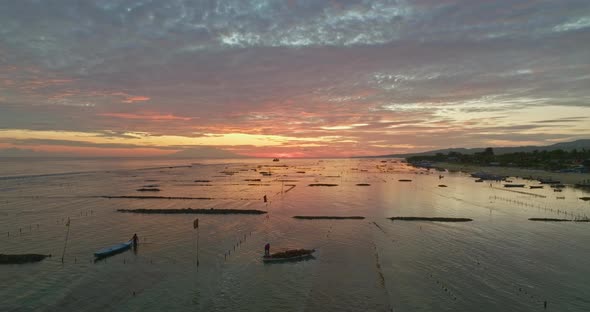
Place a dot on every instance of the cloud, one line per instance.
(294, 77)
(146, 116)
(134, 99)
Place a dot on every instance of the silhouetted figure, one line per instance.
(267, 249)
(265, 199)
(135, 240)
(545, 304)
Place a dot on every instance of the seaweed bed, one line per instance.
(155, 197)
(363, 184)
(558, 220)
(437, 219)
(328, 217)
(322, 184)
(22, 258)
(148, 190)
(193, 211)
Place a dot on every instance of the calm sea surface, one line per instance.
(499, 262)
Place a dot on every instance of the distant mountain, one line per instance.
(567, 146)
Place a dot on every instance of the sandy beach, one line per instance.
(566, 178)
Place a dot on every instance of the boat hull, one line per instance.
(270, 259)
(113, 250)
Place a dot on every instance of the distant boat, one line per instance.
(513, 185)
(549, 181)
(276, 159)
(289, 255)
(536, 186)
(113, 250)
(487, 176)
(405, 180)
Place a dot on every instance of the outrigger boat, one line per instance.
(113, 250)
(289, 255)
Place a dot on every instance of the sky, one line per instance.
(290, 78)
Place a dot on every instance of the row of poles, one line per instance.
(545, 208)
(447, 289)
(37, 226)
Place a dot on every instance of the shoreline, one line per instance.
(564, 177)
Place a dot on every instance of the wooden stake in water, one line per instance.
(196, 227)
(66, 242)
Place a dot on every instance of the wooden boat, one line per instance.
(113, 250)
(289, 255)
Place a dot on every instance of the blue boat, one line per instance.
(113, 250)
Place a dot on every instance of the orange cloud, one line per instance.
(133, 99)
(146, 116)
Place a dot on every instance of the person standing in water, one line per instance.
(135, 240)
(267, 250)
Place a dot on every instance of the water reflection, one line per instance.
(499, 259)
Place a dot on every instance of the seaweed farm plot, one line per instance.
(435, 219)
(21, 258)
(329, 217)
(193, 211)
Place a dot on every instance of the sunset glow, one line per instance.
(334, 79)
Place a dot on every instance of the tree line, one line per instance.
(575, 160)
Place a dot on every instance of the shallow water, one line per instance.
(499, 262)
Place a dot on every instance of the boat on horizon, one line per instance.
(513, 185)
(488, 176)
(549, 181)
